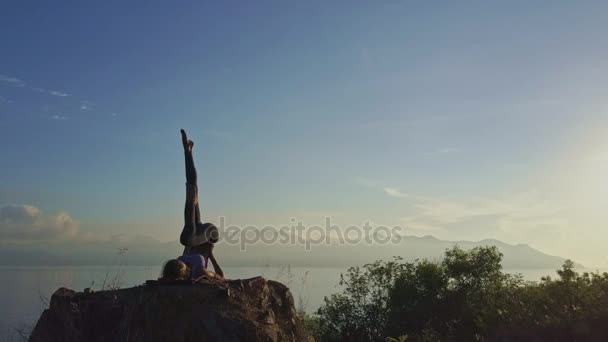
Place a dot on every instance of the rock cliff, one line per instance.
(236, 310)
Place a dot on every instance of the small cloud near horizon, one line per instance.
(518, 217)
(28, 223)
(395, 193)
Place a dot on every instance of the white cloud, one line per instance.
(16, 82)
(395, 193)
(519, 207)
(521, 217)
(51, 92)
(58, 93)
(27, 223)
(5, 100)
(13, 81)
(59, 117)
(85, 105)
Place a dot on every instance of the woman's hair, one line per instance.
(175, 269)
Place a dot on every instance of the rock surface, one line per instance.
(236, 310)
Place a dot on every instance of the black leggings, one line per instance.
(191, 234)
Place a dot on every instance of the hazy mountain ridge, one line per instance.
(147, 251)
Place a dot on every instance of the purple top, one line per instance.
(196, 263)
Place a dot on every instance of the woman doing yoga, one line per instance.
(198, 238)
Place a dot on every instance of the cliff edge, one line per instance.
(236, 310)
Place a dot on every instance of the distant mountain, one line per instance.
(148, 251)
(410, 248)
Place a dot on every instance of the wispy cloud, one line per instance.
(16, 82)
(395, 193)
(446, 150)
(442, 151)
(521, 216)
(58, 93)
(82, 105)
(12, 81)
(50, 92)
(85, 105)
(514, 216)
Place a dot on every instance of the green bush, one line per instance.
(464, 297)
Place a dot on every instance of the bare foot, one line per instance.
(188, 144)
(184, 137)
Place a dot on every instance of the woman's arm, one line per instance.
(208, 275)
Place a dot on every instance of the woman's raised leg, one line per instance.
(191, 212)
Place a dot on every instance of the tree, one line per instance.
(359, 313)
(464, 297)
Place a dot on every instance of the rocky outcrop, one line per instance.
(236, 310)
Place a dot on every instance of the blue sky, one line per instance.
(461, 120)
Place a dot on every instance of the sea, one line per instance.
(26, 291)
